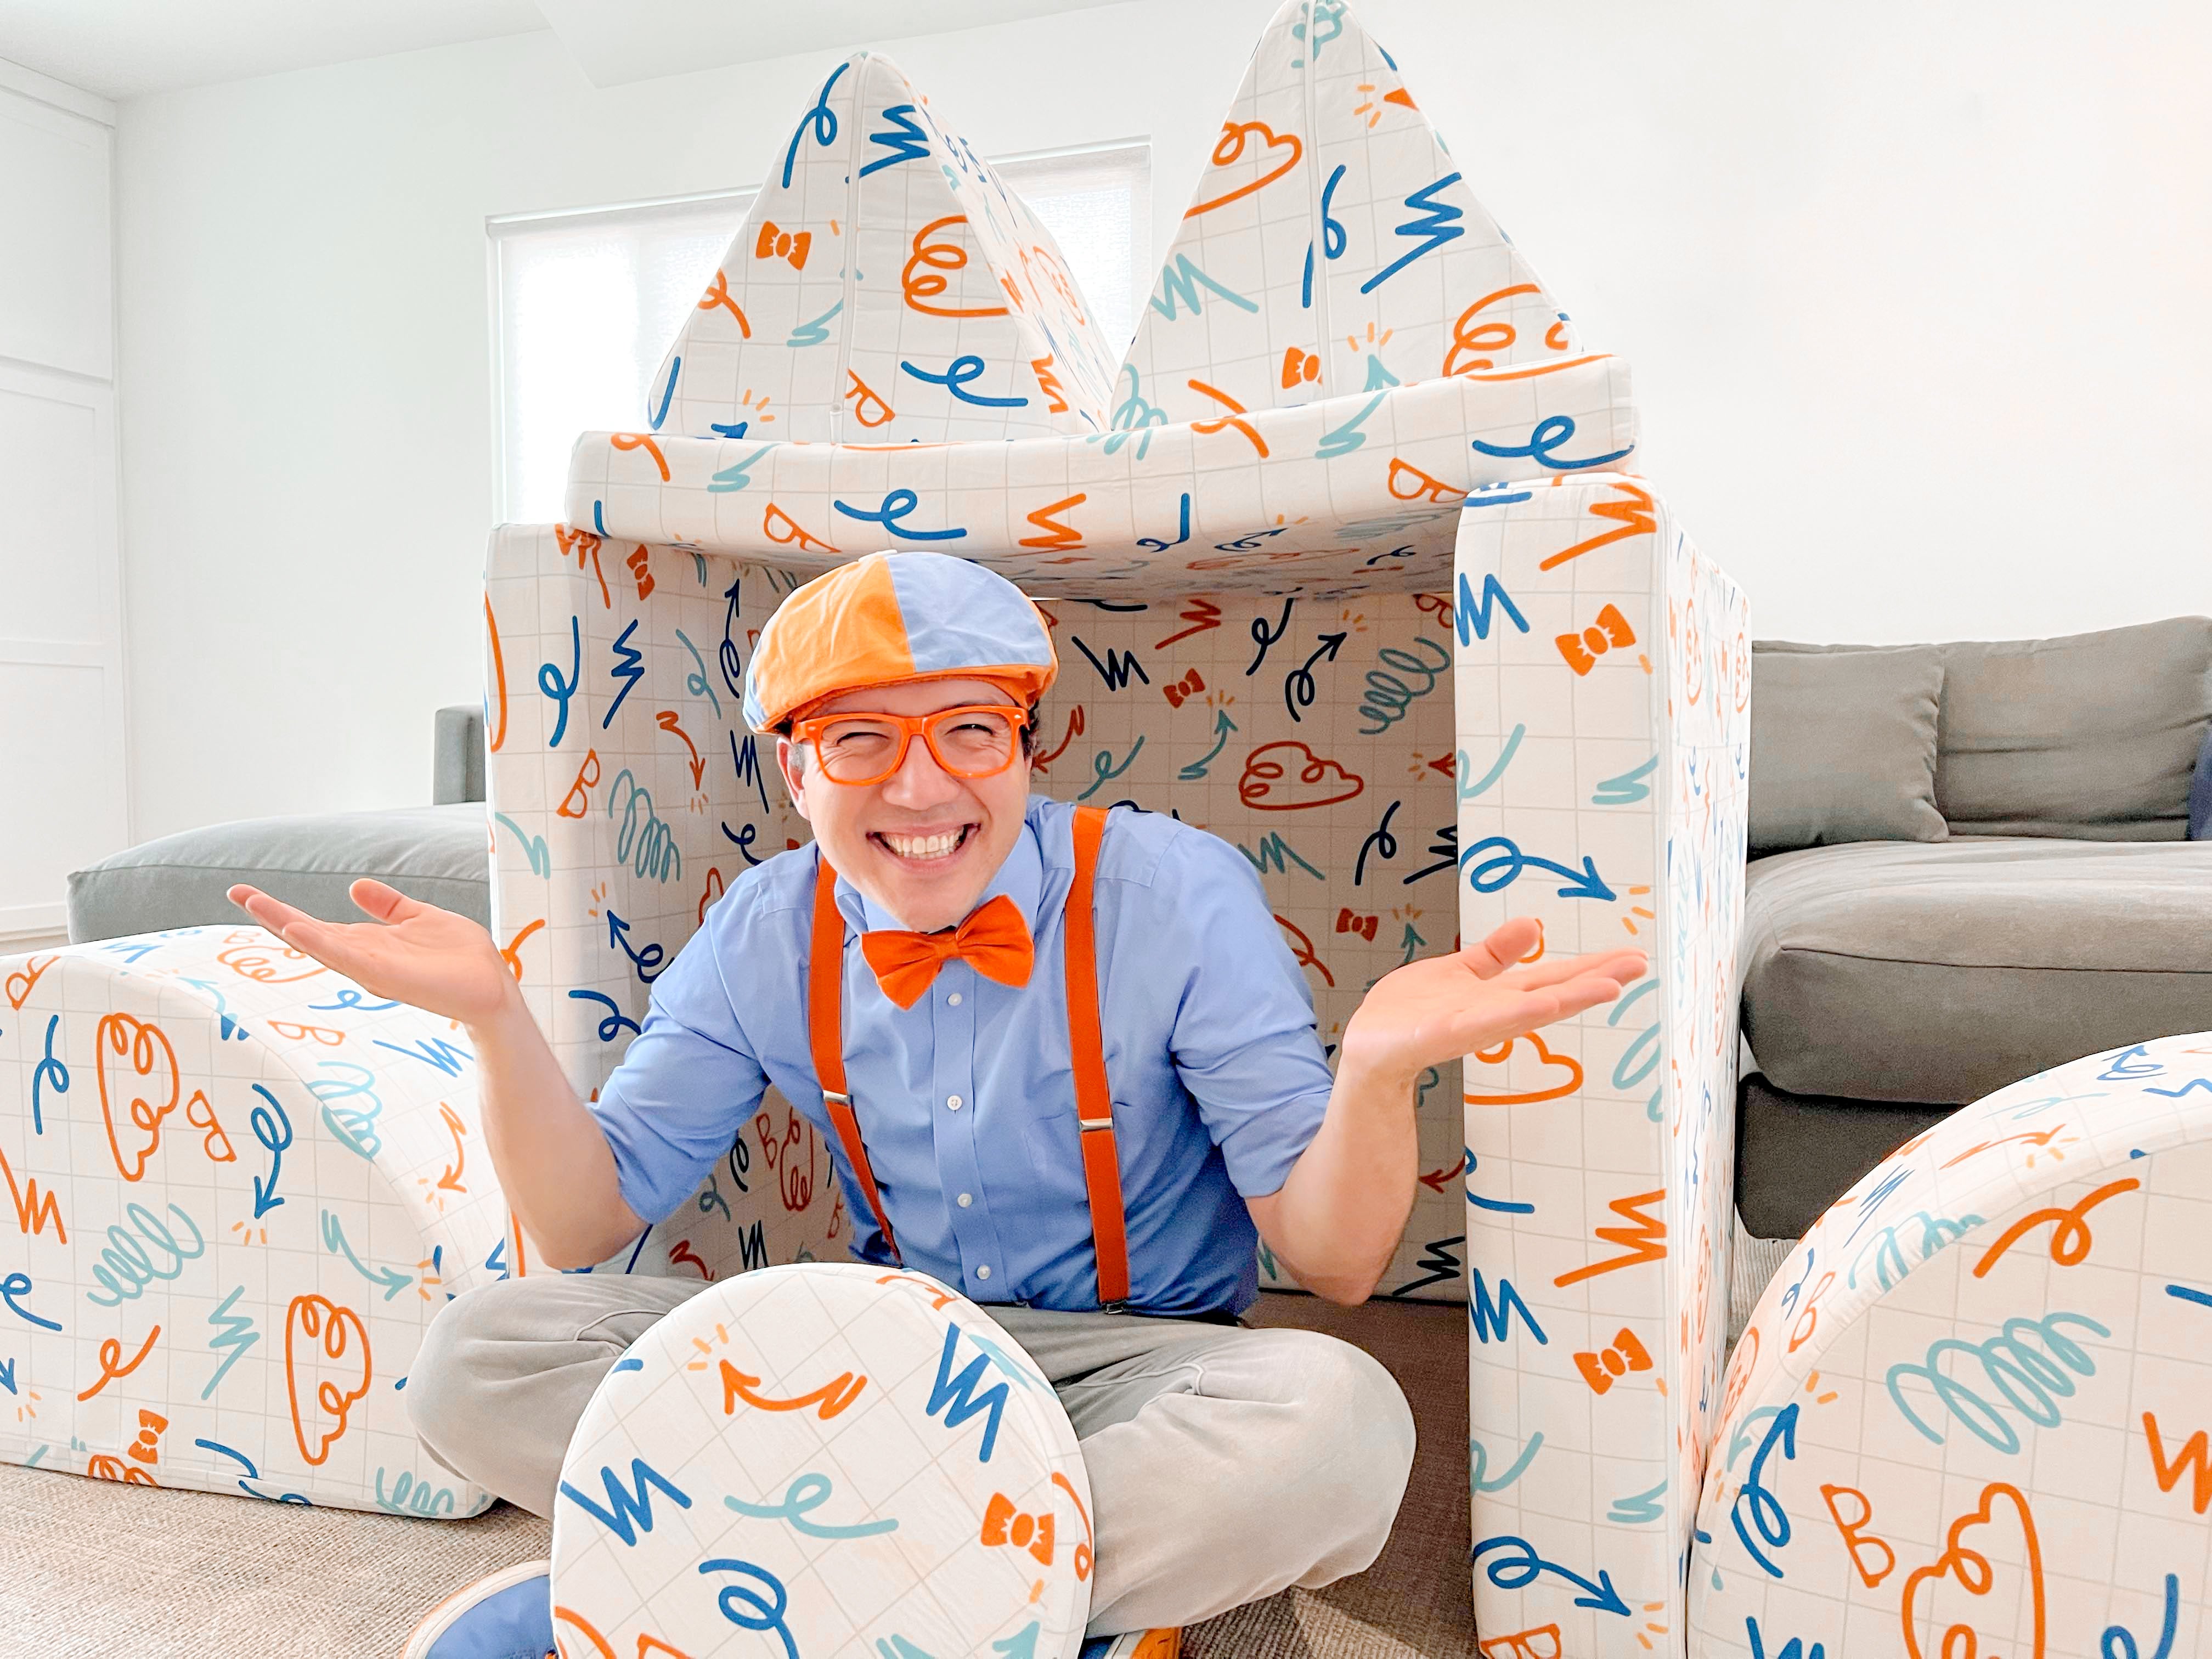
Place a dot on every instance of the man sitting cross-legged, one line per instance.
(903, 981)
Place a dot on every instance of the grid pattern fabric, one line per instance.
(1969, 1415)
(1603, 673)
(243, 1186)
(835, 1459)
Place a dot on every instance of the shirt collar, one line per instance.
(1020, 878)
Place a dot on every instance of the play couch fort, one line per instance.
(1341, 564)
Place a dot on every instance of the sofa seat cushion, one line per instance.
(1937, 972)
(436, 853)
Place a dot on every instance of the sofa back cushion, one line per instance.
(2090, 736)
(1843, 747)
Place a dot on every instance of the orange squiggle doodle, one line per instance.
(1234, 418)
(450, 1177)
(642, 440)
(1084, 1552)
(2040, 1139)
(2070, 1240)
(1058, 536)
(1644, 1239)
(710, 893)
(937, 1297)
(1048, 384)
(1809, 1321)
(148, 1049)
(1302, 950)
(584, 544)
(34, 1208)
(791, 1158)
(684, 1252)
(337, 1331)
(509, 952)
(2194, 1459)
(667, 720)
(1530, 373)
(258, 962)
(936, 259)
(1044, 760)
(1201, 614)
(1635, 517)
(1855, 1536)
(105, 1466)
(1499, 1054)
(1493, 335)
(1230, 147)
(830, 1401)
(717, 296)
(20, 982)
(570, 1616)
(111, 1361)
(499, 673)
(1974, 1574)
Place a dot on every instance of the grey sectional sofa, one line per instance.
(437, 853)
(1969, 862)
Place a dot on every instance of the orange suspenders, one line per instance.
(1094, 1103)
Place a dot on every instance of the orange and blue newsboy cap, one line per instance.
(891, 617)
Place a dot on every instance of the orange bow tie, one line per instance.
(994, 940)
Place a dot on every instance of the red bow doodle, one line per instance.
(1189, 686)
(1349, 923)
(789, 246)
(1610, 632)
(1005, 1524)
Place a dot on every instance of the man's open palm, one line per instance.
(410, 952)
(1435, 1011)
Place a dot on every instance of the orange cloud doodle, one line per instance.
(1267, 785)
(313, 1323)
(1973, 1573)
(1229, 149)
(151, 1058)
(1499, 1054)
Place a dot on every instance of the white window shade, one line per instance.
(585, 303)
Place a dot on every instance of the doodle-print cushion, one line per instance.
(1843, 747)
(819, 1459)
(439, 854)
(1936, 973)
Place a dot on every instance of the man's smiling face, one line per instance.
(922, 844)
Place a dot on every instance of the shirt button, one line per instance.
(954, 999)
(952, 1103)
(966, 1199)
(983, 1272)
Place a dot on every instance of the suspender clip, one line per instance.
(838, 1096)
(1088, 1124)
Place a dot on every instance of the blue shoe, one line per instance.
(1136, 1644)
(507, 1615)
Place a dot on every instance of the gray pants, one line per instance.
(1225, 1463)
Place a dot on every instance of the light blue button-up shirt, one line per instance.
(967, 1101)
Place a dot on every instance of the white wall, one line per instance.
(1916, 295)
(63, 764)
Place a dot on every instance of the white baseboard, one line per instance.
(32, 927)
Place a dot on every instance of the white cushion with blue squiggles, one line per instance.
(823, 1459)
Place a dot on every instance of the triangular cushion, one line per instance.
(1332, 247)
(886, 288)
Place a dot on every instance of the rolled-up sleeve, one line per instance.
(689, 1080)
(1244, 1041)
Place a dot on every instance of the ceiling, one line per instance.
(120, 48)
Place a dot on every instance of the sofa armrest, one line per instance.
(457, 771)
(1604, 680)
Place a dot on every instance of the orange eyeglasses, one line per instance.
(976, 740)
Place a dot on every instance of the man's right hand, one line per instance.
(409, 951)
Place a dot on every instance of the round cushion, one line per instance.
(827, 1458)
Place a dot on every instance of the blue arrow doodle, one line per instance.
(276, 1135)
(1223, 726)
(391, 1279)
(1485, 877)
(1519, 1572)
(648, 962)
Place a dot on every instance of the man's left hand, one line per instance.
(1432, 1012)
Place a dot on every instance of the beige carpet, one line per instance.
(93, 1570)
